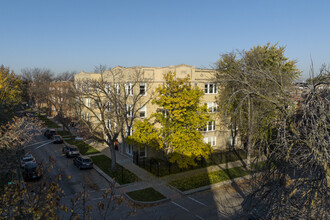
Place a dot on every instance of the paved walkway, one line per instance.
(149, 180)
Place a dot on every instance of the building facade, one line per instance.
(216, 133)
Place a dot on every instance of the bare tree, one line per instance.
(101, 68)
(38, 85)
(294, 179)
(109, 104)
(65, 76)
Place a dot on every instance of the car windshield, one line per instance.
(58, 138)
(86, 160)
(52, 132)
(73, 149)
(27, 159)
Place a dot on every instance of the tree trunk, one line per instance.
(250, 132)
(113, 155)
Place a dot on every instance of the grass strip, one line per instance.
(205, 179)
(48, 123)
(65, 133)
(104, 163)
(146, 195)
(84, 149)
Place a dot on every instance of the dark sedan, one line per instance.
(49, 133)
(58, 139)
(83, 162)
(32, 171)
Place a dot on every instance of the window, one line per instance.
(210, 88)
(118, 110)
(143, 112)
(83, 115)
(129, 89)
(117, 88)
(87, 87)
(88, 118)
(107, 107)
(88, 102)
(164, 112)
(210, 126)
(212, 107)
(129, 111)
(129, 131)
(107, 88)
(143, 88)
(66, 90)
(108, 123)
(210, 140)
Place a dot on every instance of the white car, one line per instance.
(28, 158)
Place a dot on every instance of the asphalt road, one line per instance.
(223, 203)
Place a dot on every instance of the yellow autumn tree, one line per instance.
(181, 117)
(10, 90)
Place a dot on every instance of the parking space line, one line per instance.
(35, 143)
(187, 210)
(43, 145)
(197, 201)
(180, 206)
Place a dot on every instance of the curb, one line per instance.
(109, 179)
(146, 204)
(209, 187)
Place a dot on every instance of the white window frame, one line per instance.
(145, 89)
(88, 102)
(107, 88)
(210, 140)
(210, 126)
(117, 86)
(88, 117)
(211, 88)
(129, 111)
(212, 107)
(129, 89)
(108, 123)
(143, 110)
(107, 106)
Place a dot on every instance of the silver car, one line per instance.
(28, 158)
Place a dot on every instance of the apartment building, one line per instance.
(216, 133)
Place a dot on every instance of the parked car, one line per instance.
(28, 158)
(70, 151)
(32, 171)
(83, 162)
(57, 139)
(49, 133)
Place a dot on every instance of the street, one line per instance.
(222, 203)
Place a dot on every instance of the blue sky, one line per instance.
(76, 35)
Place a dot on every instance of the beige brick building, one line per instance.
(215, 132)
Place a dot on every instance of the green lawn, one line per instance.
(104, 163)
(205, 179)
(146, 195)
(65, 133)
(84, 149)
(48, 123)
(218, 157)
